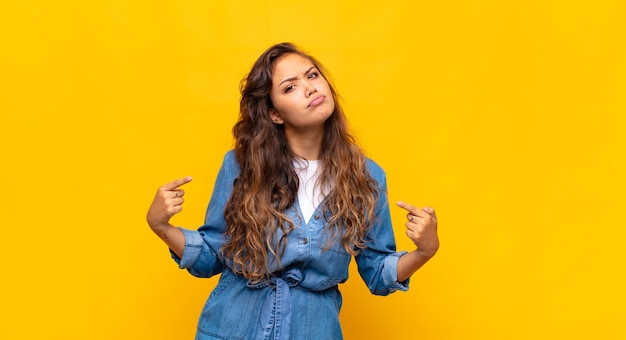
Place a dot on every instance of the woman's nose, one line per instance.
(310, 89)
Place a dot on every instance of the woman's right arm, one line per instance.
(166, 203)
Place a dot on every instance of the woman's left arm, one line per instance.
(421, 228)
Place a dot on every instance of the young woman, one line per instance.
(292, 203)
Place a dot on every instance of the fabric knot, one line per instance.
(275, 317)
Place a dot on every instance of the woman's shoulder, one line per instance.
(376, 171)
(230, 157)
(230, 163)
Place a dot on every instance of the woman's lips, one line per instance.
(317, 101)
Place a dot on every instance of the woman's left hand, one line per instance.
(421, 228)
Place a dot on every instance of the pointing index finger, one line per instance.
(411, 209)
(176, 183)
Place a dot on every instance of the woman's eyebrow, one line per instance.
(296, 77)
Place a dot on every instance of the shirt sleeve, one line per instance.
(201, 252)
(378, 262)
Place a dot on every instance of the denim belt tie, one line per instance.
(276, 310)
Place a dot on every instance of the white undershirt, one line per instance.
(309, 195)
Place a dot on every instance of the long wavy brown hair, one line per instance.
(268, 183)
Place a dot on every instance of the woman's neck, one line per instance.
(305, 145)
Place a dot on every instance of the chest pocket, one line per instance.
(331, 259)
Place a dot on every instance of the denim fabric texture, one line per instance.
(302, 300)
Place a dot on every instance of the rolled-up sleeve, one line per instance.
(378, 263)
(193, 249)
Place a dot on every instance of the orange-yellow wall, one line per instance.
(507, 116)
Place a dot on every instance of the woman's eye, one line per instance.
(288, 88)
(313, 75)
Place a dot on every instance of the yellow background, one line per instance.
(507, 116)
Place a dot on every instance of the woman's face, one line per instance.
(301, 96)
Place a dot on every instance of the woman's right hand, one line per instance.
(166, 203)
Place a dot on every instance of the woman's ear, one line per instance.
(275, 117)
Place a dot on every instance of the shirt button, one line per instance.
(317, 217)
(305, 241)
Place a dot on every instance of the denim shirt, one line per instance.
(302, 300)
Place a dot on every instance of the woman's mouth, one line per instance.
(317, 101)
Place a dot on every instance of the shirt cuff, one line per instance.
(192, 250)
(390, 273)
